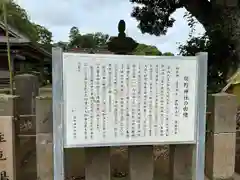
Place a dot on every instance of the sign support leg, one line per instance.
(58, 123)
(201, 116)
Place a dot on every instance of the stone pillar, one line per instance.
(74, 162)
(44, 145)
(221, 136)
(7, 105)
(97, 164)
(7, 137)
(182, 162)
(141, 162)
(27, 88)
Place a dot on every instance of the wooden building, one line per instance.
(24, 54)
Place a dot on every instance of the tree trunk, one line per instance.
(220, 21)
(231, 27)
(223, 27)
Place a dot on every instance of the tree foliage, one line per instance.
(168, 54)
(18, 18)
(44, 36)
(219, 59)
(99, 40)
(90, 40)
(143, 49)
(221, 40)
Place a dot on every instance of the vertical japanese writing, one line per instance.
(156, 100)
(86, 101)
(122, 100)
(150, 99)
(134, 99)
(2, 156)
(128, 101)
(104, 101)
(185, 96)
(127, 79)
(167, 100)
(97, 81)
(176, 103)
(2, 139)
(79, 67)
(109, 88)
(162, 95)
(115, 114)
(3, 175)
(145, 100)
(91, 101)
(139, 102)
(74, 124)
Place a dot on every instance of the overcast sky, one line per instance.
(101, 16)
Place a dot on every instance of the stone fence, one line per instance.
(26, 149)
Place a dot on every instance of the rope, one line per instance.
(8, 46)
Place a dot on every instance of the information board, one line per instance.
(112, 100)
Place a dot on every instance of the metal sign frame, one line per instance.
(58, 114)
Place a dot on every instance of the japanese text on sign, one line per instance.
(114, 100)
(3, 174)
(2, 140)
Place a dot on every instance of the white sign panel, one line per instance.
(128, 100)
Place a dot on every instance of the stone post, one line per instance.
(44, 145)
(27, 88)
(7, 137)
(182, 162)
(221, 136)
(141, 165)
(98, 163)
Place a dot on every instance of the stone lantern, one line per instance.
(121, 44)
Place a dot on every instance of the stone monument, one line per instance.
(121, 44)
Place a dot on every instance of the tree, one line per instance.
(74, 32)
(44, 37)
(74, 37)
(143, 49)
(63, 45)
(220, 22)
(217, 71)
(101, 39)
(168, 54)
(18, 18)
(89, 40)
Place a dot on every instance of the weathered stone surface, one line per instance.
(74, 162)
(97, 163)
(44, 156)
(7, 105)
(27, 88)
(44, 123)
(141, 162)
(182, 162)
(220, 155)
(223, 108)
